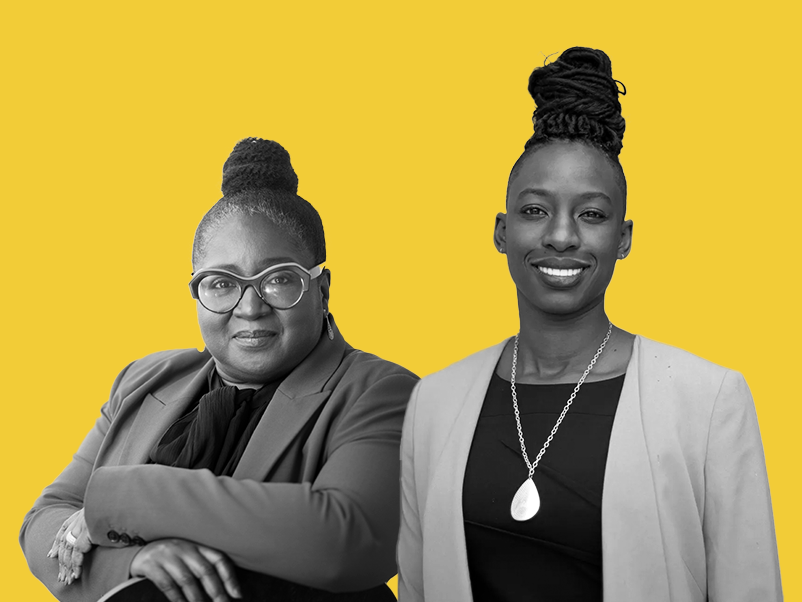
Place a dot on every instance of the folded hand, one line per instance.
(71, 543)
(183, 570)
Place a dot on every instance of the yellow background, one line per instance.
(402, 121)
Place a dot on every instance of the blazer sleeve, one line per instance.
(740, 544)
(337, 533)
(410, 539)
(104, 568)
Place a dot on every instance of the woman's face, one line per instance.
(254, 343)
(564, 228)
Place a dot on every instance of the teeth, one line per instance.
(560, 273)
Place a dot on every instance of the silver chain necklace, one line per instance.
(526, 501)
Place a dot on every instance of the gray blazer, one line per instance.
(314, 498)
(686, 511)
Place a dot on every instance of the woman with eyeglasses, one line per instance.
(576, 461)
(274, 450)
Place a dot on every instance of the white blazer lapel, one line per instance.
(445, 554)
(634, 561)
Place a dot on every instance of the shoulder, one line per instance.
(367, 394)
(659, 358)
(462, 375)
(662, 354)
(439, 397)
(162, 365)
(359, 363)
(668, 371)
(364, 375)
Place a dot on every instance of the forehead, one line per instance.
(565, 170)
(248, 244)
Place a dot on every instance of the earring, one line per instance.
(501, 250)
(328, 325)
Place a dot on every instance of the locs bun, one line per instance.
(258, 179)
(255, 163)
(577, 99)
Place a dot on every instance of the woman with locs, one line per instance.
(576, 461)
(274, 450)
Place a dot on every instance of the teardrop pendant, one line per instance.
(526, 501)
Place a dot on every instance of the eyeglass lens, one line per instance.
(280, 289)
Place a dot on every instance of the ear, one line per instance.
(625, 244)
(500, 233)
(324, 282)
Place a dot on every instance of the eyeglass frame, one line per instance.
(253, 281)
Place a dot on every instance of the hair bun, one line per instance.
(577, 99)
(255, 163)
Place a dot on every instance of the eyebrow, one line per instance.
(593, 194)
(535, 191)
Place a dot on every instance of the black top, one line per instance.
(557, 554)
(216, 429)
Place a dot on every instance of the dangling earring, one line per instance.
(328, 325)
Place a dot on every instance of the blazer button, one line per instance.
(125, 538)
(138, 541)
(113, 536)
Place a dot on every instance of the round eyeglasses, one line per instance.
(280, 286)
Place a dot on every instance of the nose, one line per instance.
(561, 234)
(251, 306)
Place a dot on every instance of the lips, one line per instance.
(253, 338)
(560, 272)
(560, 263)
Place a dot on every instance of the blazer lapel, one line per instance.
(295, 403)
(634, 564)
(445, 535)
(632, 542)
(158, 411)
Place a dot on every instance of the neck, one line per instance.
(232, 383)
(553, 347)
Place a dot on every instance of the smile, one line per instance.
(560, 273)
(257, 338)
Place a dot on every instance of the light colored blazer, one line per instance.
(314, 499)
(686, 512)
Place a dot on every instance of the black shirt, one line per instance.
(556, 555)
(216, 429)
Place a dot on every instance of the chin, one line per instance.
(251, 372)
(562, 304)
(564, 311)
